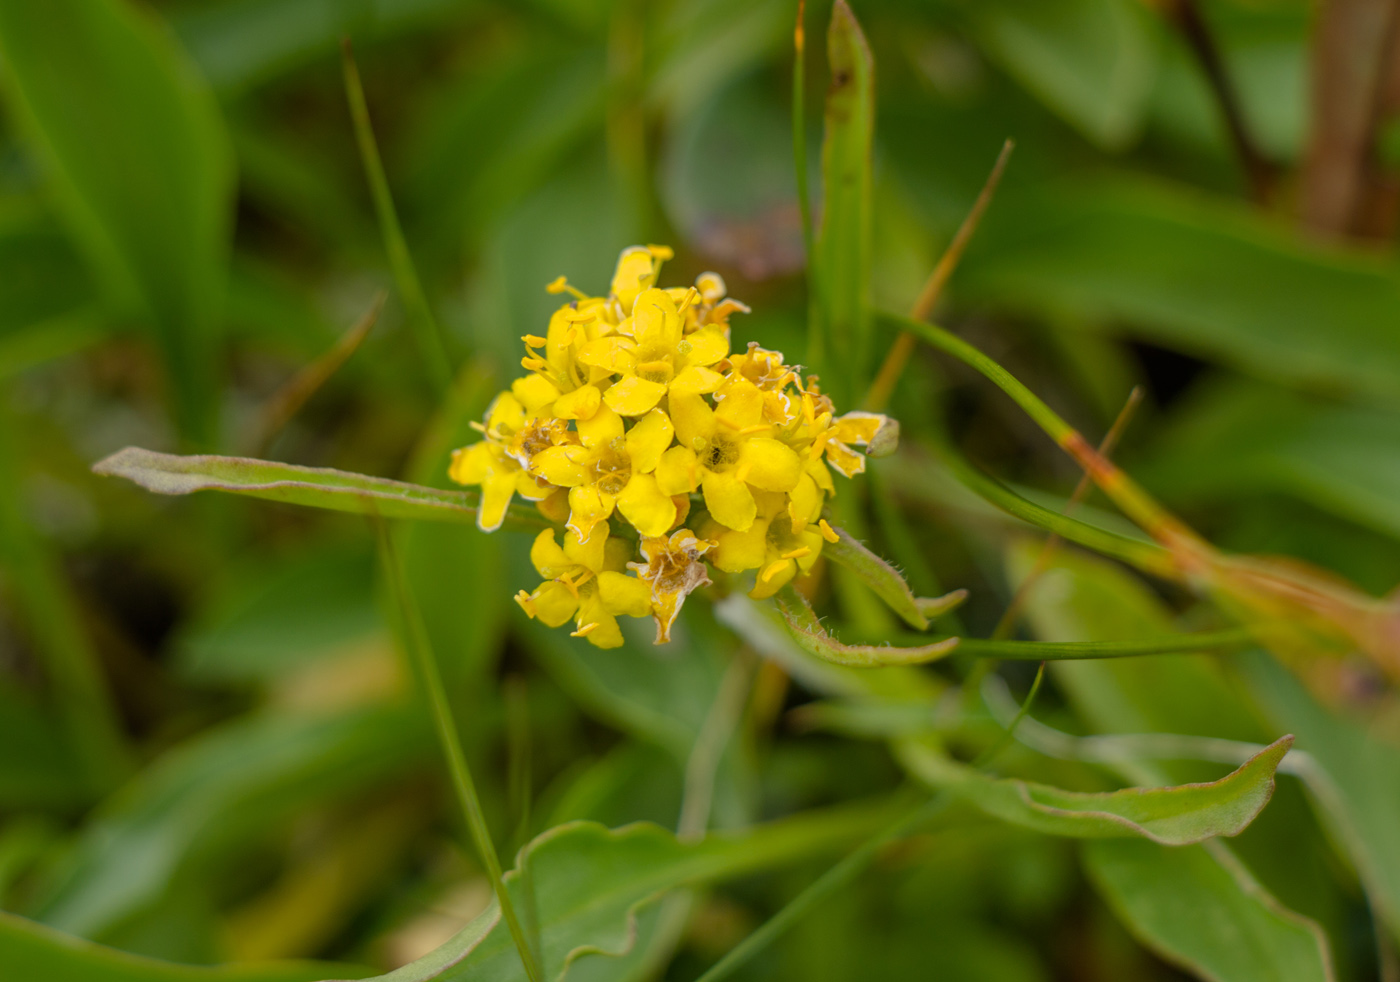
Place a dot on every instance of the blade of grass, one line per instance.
(1006, 624)
(427, 332)
(288, 400)
(839, 343)
(71, 665)
(518, 754)
(898, 356)
(1146, 556)
(799, 126)
(420, 650)
(1136, 503)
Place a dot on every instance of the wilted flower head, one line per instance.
(633, 413)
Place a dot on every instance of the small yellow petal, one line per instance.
(692, 417)
(828, 533)
(496, 492)
(588, 554)
(563, 467)
(706, 346)
(588, 507)
(633, 396)
(600, 429)
(612, 353)
(697, 379)
(735, 552)
(678, 471)
(535, 392)
(581, 403)
(554, 603)
(470, 465)
(769, 464)
(805, 502)
(623, 594)
(844, 459)
(549, 560)
(648, 440)
(729, 500)
(644, 505)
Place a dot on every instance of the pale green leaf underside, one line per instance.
(1171, 816)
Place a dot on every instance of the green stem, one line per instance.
(799, 127)
(420, 650)
(1146, 556)
(1011, 650)
(427, 333)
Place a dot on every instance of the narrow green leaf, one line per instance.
(840, 342)
(30, 951)
(314, 487)
(885, 580)
(134, 144)
(1197, 274)
(1172, 816)
(589, 883)
(1200, 909)
(808, 632)
(197, 805)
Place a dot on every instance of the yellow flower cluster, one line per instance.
(634, 403)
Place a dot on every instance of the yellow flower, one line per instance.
(834, 436)
(726, 451)
(637, 270)
(490, 463)
(656, 357)
(775, 544)
(612, 468)
(672, 571)
(585, 582)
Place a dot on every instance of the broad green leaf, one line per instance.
(240, 43)
(813, 638)
(885, 580)
(840, 270)
(30, 952)
(1199, 909)
(133, 142)
(1195, 274)
(274, 618)
(1172, 816)
(1364, 772)
(315, 487)
(1240, 439)
(231, 784)
(589, 883)
(1090, 61)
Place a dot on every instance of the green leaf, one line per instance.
(589, 883)
(241, 43)
(1241, 439)
(840, 269)
(134, 144)
(885, 580)
(1091, 61)
(34, 951)
(198, 802)
(808, 632)
(314, 487)
(1199, 908)
(1196, 274)
(1363, 772)
(1172, 816)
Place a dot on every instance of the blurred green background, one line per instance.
(208, 747)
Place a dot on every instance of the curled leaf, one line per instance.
(1172, 816)
(885, 580)
(316, 487)
(807, 631)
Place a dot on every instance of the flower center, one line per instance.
(659, 370)
(720, 455)
(612, 469)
